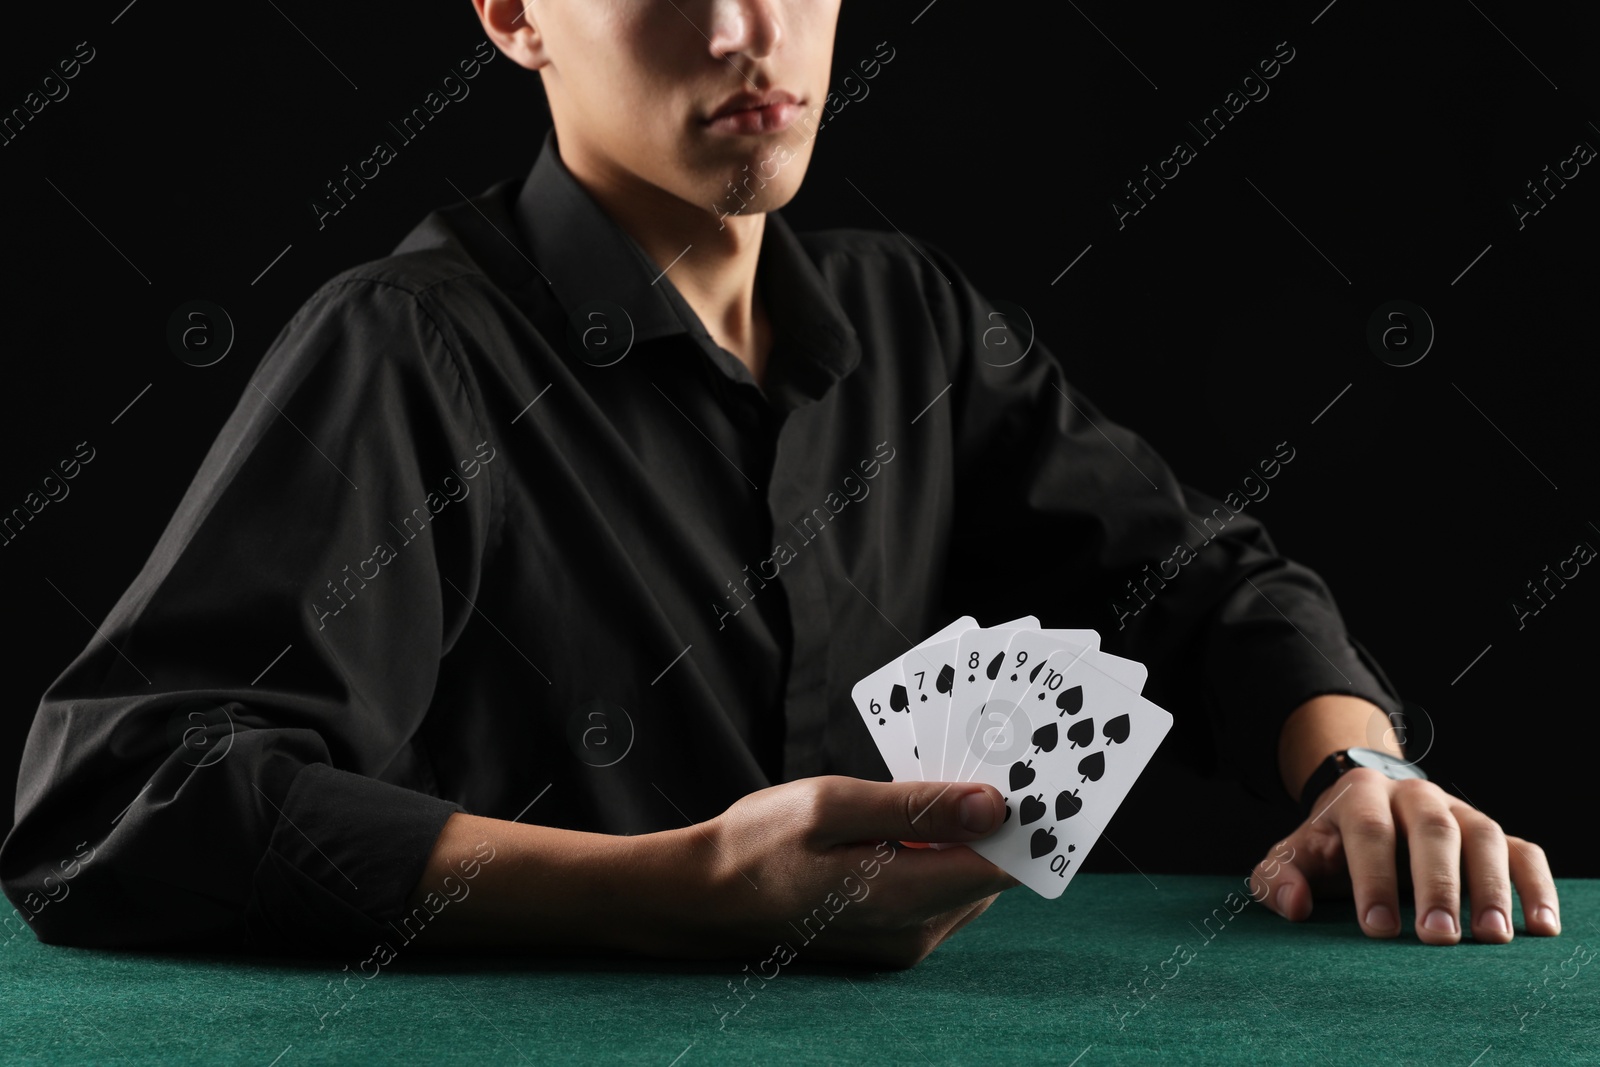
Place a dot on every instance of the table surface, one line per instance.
(1032, 981)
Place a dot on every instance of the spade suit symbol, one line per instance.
(1092, 766)
(1068, 804)
(1006, 817)
(1033, 675)
(898, 699)
(1081, 733)
(1116, 730)
(1042, 843)
(1033, 809)
(993, 670)
(946, 679)
(1044, 738)
(1022, 774)
(1071, 700)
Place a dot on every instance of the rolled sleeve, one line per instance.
(1276, 642)
(239, 748)
(382, 835)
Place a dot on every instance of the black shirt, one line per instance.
(526, 542)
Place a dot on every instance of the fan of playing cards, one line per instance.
(1044, 716)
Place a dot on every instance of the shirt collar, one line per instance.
(583, 255)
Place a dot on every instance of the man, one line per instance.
(619, 451)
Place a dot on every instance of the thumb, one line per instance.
(853, 809)
(1282, 886)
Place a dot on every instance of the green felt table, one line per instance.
(1032, 981)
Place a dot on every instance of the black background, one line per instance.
(1220, 320)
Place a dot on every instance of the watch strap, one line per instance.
(1326, 773)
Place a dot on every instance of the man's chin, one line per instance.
(744, 192)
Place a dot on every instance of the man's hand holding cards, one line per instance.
(1056, 725)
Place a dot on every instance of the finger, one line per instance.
(849, 810)
(920, 884)
(1483, 850)
(1279, 884)
(968, 915)
(1422, 812)
(900, 947)
(1530, 873)
(1367, 832)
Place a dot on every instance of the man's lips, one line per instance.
(749, 120)
(749, 112)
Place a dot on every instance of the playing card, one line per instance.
(930, 674)
(1025, 657)
(1065, 757)
(980, 659)
(881, 699)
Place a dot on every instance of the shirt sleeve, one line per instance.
(232, 761)
(1098, 531)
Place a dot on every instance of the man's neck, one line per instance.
(710, 260)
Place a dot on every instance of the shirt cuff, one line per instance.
(1251, 704)
(344, 856)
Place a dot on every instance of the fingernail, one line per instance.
(1439, 921)
(1494, 922)
(977, 812)
(1283, 900)
(1379, 917)
(1546, 916)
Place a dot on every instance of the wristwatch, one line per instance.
(1329, 770)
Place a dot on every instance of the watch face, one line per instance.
(1393, 766)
